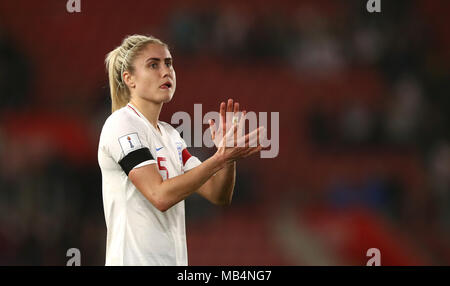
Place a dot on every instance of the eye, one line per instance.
(154, 65)
(168, 64)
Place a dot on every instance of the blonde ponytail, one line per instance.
(120, 60)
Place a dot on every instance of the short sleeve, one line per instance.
(128, 144)
(189, 161)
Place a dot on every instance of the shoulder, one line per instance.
(122, 119)
(169, 128)
(120, 123)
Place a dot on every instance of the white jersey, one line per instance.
(137, 232)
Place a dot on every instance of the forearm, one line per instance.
(174, 190)
(219, 188)
(223, 184)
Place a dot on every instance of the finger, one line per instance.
(230, 105)
(229, 115)
(212, 128)
(241, 118)
(241, 125)
(245, 152)
(243, 141)
(262, 135)
(253, 151)
(235, 137)
(257, 137)
(255, 140)
(236, 121)
(222, 118)
(251, 139)
(236, 114)
(228, 136)
(237, 153)
(231, 139)
(222, 111)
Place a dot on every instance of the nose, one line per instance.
(166, 71)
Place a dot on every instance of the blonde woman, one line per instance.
(147, 171)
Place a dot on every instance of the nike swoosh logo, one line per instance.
(157, 149)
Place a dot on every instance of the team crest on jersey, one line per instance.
(130, 142)
(180, 150)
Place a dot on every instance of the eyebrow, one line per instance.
(158, 59)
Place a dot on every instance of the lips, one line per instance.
(166, 85)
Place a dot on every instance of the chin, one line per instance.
(160, 97)
(167, 98)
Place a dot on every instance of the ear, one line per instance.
(128, 78)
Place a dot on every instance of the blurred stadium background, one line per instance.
(363, 99)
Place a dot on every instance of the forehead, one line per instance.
(154, 51)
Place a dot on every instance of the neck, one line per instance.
(149, 109)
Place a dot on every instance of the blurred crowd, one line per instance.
(51, 201)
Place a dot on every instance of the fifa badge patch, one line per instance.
(129, 143)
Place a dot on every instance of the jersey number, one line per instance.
(162, 167)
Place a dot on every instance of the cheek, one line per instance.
(147, 80)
